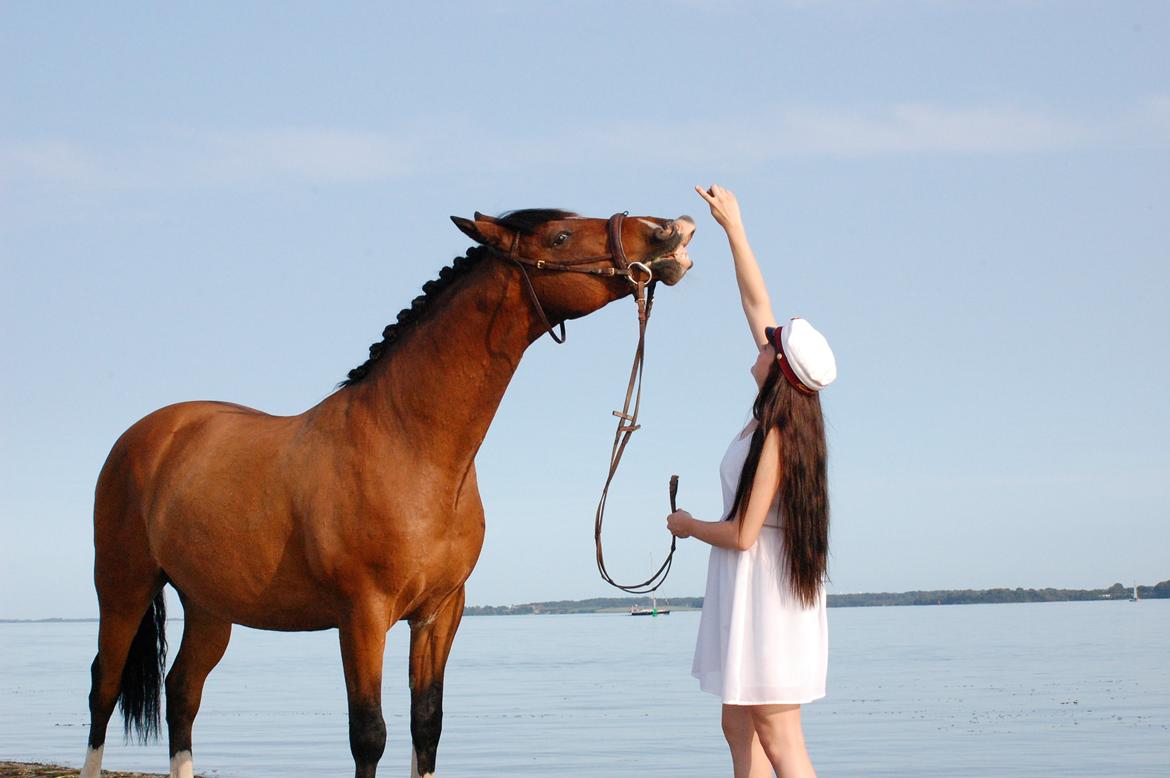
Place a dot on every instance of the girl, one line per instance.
(763, 635)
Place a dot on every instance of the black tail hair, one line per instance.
(140, 698)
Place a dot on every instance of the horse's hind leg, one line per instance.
(205, 638)
(132, 608)
(430, 645)
(130, 616)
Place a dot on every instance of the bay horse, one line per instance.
(356, 514)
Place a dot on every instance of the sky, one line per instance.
(970, 199)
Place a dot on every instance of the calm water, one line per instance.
(1057, 689)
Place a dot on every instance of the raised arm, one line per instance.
(753, 294)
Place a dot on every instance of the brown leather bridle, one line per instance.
(642, 278)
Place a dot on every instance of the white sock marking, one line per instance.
(414, 766)
(181, 765)
(93, 762)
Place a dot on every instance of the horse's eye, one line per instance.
(561, 237)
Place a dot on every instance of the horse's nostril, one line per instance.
(667, 232)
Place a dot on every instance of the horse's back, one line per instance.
(146, 443)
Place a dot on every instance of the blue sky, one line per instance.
(969, 198)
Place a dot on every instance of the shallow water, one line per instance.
(1048, 689)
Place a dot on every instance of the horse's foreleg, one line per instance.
(363, 642)
(205, 638)
(430, 644)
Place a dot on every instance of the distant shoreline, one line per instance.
(1159, 591)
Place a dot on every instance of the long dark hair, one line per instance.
(804, 492)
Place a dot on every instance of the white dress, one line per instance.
(757, 645)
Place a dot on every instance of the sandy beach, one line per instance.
(39, 770)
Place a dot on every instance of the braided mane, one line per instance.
(524, 221)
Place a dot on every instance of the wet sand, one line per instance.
(39, 770)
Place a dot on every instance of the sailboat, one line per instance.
(1135, 594)
(653, 610)
(642, 610)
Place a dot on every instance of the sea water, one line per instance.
(1046, 689)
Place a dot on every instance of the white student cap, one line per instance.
(805, 357)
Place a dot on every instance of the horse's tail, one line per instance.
(140, 698)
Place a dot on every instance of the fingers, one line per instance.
(722, 192)
(715, 194)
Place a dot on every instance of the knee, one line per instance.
(778, 732)
(737, 725)
(367, 733)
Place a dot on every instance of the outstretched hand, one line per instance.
(679, 524)
(724, 206)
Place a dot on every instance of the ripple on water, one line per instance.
(1070, 689)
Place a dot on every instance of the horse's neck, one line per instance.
(442, 383)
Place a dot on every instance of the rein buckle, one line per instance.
(644, 268)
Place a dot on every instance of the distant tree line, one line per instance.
(1117, 591)
(595, 605)
(972, 596)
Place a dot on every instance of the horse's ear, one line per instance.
(469, 229)
(489, 233)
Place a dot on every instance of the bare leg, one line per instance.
(430, 645)
(748, 759)
(363, 642)
(778, 727)
(205, 638)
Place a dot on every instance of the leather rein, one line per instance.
(640, 276)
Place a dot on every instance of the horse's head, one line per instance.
(564, 238)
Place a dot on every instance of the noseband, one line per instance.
(640, 276)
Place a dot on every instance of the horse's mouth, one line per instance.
(669, 268)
